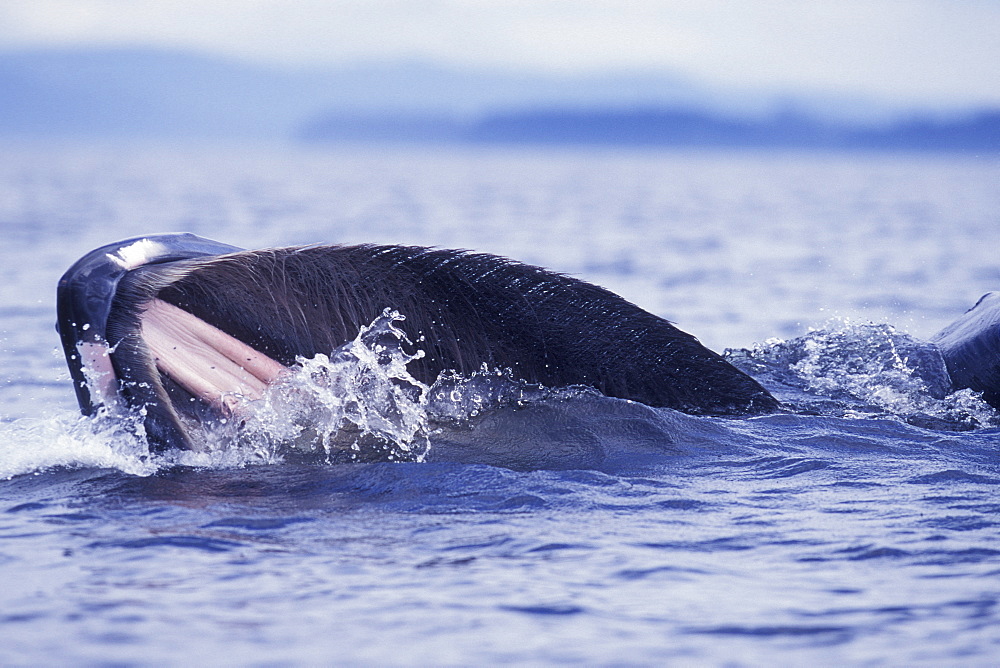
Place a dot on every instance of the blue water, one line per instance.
(566, 528)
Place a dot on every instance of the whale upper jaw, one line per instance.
(84, 299)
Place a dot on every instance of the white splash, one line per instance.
(31, 445)
(358, 403)
(865, 367)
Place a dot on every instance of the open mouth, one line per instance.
(125, 344)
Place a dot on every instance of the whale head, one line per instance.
(181, 329)
(110, 363)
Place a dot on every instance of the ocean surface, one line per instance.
(519, 524)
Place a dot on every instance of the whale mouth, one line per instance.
(127, 348)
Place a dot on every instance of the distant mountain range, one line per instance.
(120, 93)
(979, 131)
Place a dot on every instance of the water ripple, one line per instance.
(185, 542)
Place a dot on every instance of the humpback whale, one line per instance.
(177, 325)
(179, 328)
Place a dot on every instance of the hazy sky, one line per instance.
(945, 51)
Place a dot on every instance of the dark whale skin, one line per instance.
(462, 309)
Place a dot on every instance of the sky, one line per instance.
(910, 51)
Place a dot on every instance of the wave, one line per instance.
(861, 392)
(864, 370)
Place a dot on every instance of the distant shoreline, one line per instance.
(665, 128)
